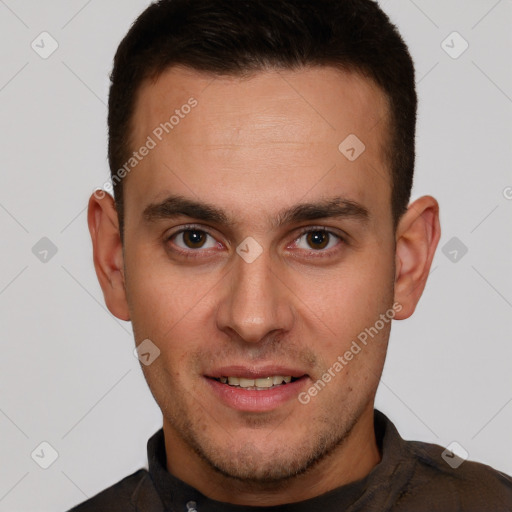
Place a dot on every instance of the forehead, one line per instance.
(264, 139)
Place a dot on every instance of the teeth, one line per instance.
(260, 383)
(278, 379)
(266, 382)
(245, 383)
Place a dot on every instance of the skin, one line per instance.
(253, 147)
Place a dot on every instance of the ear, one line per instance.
(417, 236)
(108, 252)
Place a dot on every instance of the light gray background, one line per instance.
(67, 372)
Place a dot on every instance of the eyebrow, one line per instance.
(178, 206)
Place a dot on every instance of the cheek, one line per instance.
(161, 294)
(350, 296)
(340, 308)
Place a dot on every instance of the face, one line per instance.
(260, 259)
(296, 261)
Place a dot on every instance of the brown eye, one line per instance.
(317, 239)
(190, 240)
(194, 239)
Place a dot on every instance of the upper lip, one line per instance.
(252, 372)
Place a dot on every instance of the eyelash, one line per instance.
(192, 253)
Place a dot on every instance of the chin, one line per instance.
(263, 462)
(251, 465)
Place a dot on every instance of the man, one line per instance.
(261, 243)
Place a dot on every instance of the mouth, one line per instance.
(256, 389)
(258, 384)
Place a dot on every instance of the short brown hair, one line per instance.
(235, 37)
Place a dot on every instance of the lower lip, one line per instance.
(251, 400)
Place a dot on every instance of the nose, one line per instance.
(255, 302)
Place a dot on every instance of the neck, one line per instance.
(350, 461)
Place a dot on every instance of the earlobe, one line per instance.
(108, 252)
(417, 236)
